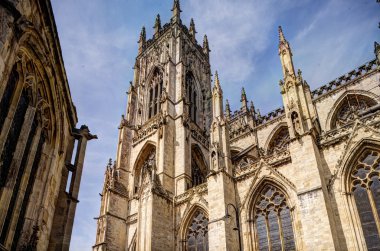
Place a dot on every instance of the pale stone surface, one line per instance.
(150, 205)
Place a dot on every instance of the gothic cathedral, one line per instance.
(192, 175)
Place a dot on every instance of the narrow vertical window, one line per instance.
(155, 94)
(12, 138)
(195, 107)
(150, 102)
(29, 188)
(6, 99)
(273, 221)
(365, 187)
(155, 99)
(16, 191)
(191, 97)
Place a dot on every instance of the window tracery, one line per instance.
(198, 167)
(365, 186)
(155, 92)
(191, 96)
(280, 141)
(197, 233)
(350, 108)
(273, 221)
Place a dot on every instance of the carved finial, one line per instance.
(157, 25)
(176, 11)
(281, 34)
(243, 99)
(192, 30)
(252, 108)
(206, 48)
(142, 39)
(377, 52)
(216, 80)
(109, 165)
(243, 95)
(228, 110)
(299, 73)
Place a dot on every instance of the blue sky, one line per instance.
(99, 45)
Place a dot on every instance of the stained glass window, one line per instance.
(197, 233)
(365, 185)
(350, 108)
(273, 221)
(280, 141)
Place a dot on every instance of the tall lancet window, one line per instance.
(273, 221)
(155, 91)
(198, 166)
(365, 186)
(197, 233)
(191, 96)
(6, 99)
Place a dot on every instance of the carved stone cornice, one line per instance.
(199, 135)
(131, 219)
(341, 134)
(188, 195)
(344, 80)
(149, 128)
(278, 158)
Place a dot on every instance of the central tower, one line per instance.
(163, 145)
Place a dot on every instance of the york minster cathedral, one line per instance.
(190, 174)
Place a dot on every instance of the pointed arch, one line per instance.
(144, 166)
(361, 182)
(278, 139)
(272, 220)
(192, 91)
(194, 229)
(349, 104)
(199, 168)
(154, 91)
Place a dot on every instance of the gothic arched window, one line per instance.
(197, 233)
(191, 96)
(273, 220)
(155, 91)
(349, 108)
(365, 186)
(279, 141)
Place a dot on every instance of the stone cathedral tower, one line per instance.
(192, 175)
(163, 140)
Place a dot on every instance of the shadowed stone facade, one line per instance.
(303, 177)
(41, 150)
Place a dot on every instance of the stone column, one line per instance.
(60, 239)
(316, 216)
